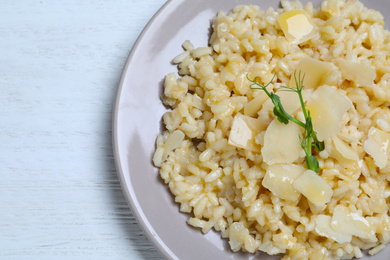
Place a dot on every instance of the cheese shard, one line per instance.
(323, 228)
(378, 205)
(377, 146)
(289, 100)
(279, 180)
(297, 26)
(244, 130)
(281, 143)
(237, 233)
(314, 71)
(344, 151)
(360, 73)
(314, 188)
(173, 141)
(327, 107)
(253, 106)
(351, 223)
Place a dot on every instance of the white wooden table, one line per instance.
(60, 65)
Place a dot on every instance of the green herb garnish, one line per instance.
(309, 138)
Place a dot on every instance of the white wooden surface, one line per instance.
(60, 65)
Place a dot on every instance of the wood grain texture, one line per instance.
(60, 65)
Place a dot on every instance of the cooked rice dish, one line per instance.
(236, 168)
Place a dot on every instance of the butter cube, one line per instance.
(297, 26)
(314, 188)
(244, 130)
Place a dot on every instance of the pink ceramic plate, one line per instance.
(137, 122)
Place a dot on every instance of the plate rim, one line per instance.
(146, 227)
(131, 200)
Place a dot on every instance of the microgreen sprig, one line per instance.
(309, 138)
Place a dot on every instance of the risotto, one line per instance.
(236, 168)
